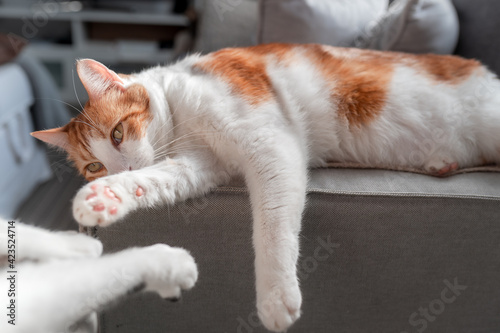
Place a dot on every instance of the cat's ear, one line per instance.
(55, 136)
(97, 78)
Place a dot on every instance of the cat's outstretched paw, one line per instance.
(103, 202)
(279, 307)
(171, 270)
(440, 167)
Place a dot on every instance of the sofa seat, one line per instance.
(381, 251)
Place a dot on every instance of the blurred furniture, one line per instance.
(60, 32)
(24, 163)
(36, 183)
(407, 253)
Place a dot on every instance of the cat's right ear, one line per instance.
(55, 136)
(97, 78)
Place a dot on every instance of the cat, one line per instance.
(60, 280)
(270, 112)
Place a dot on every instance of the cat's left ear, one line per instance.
(55, 136)
(97, 78)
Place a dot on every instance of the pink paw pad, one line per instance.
(110, 194)
(113, 210)
(139, 192)
(99, 207)
(90, 196)
(447, 169)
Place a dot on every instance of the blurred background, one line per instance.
(126, 35)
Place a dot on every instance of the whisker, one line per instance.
(83, 112)
(177, 151)
(166, 147)
(83, 122)
(58, 100)
(74, 88)
(177, 125)
(185, 136)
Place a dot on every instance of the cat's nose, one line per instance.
(130, 168)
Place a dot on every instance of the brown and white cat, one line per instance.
(269, 113)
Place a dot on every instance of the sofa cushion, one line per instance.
(317, 21)
(414, 26)
(226, 24)
(375, 247)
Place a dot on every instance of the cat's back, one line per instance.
(355, 74)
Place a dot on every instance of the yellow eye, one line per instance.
(94, 167)
(118, 134)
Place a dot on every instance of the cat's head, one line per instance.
(110, 134)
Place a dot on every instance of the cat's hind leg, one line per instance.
(439, 166)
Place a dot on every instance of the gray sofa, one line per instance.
(381, 251)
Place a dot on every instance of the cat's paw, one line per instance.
(171, 270)
(440, 167)
(103, 202)
(278, 306)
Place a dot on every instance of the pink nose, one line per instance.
(129, 168)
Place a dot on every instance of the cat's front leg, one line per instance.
(108, 199)
(277, 177)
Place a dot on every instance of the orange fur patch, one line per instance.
(359, 87)
(100, 117)
(441, 68)
(245, 69)
(447, 68)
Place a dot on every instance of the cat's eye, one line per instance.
(117, 134)
(94, 167)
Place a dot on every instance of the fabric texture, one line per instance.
(483, 168)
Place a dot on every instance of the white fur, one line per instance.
(203, 134)
(61, 281)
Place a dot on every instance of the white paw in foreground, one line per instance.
(62, 245)
(100, 203)
(75, 245)
(279, 306)
(170, 270)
